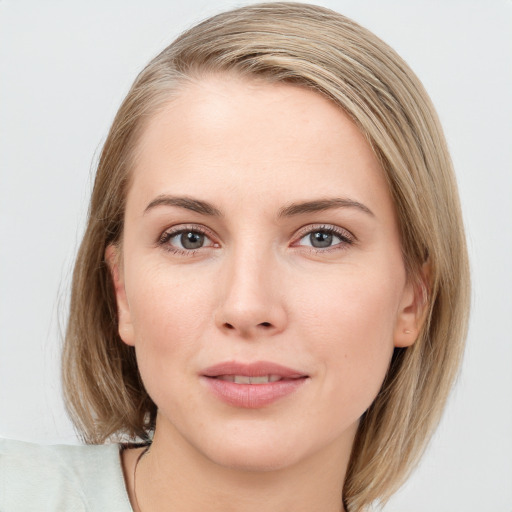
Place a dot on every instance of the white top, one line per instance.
(35, 478)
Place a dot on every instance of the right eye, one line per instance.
(185, 240)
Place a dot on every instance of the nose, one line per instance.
(251, 303)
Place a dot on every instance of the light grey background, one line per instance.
(64, 68)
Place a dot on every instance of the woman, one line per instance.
(271, 294)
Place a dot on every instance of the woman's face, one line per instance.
(261, 279)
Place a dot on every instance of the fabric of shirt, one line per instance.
(61, 478)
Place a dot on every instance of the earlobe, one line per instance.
(125, 326)
(413, 309)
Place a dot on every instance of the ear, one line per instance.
(413, 309)
(125, 326)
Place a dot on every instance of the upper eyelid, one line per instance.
(180, 228)
(311, 228)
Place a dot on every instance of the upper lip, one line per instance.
(256, 369)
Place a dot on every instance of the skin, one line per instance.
(257, 290)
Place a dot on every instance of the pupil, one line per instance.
(321, 239)
(192, 240)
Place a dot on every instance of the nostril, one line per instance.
(231, 327)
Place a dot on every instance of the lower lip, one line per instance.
(252, 396)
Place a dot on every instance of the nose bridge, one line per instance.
(251, 302)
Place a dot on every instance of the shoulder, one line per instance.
(60, 477)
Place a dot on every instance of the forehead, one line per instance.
(226, 138)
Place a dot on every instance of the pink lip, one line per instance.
(257, 369)
(252, 396)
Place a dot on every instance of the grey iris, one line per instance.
(320, 239)
(191, 240)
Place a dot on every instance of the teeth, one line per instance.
(244, 379)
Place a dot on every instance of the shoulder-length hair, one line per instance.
(319, 49)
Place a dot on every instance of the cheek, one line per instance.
(169, 312)
(351, 324)
(350, 305)
(164, 300)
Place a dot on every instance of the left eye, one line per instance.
(322, 239)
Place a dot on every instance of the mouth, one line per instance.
(259, 372)
(253, 385)
(245, 379)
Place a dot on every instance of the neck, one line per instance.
(173, 476)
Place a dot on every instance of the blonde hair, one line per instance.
(316, 48)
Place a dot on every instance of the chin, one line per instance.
(254, 459)
(262, 448)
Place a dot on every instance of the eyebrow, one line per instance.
(205, 208)
(195, 205)
(320, 205)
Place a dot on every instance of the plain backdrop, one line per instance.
(64, 69)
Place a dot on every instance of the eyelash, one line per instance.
(346, 238)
